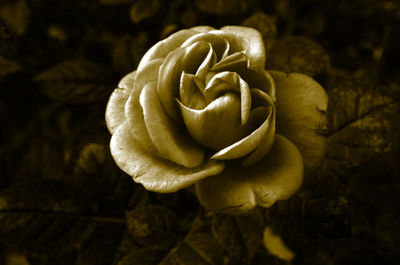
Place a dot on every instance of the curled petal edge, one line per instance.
(156, 174)
(239, 189)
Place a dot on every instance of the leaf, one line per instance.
(363, 121)
(299, 55)
(195, 249)
(16, 15)
(144, 9)
(147, 256)
(152, 225)
(128, 51)
(48, 216)
(101, 246)
(76, 81)
(8, 67)
(239, 236)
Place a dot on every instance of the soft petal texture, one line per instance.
(186, 59)
(230, 81)
(218, 44)
(156, 174)
(133, 110)
(115, 113)
(171, 140)
(218, 125)
(189, 92)
(301, 113)
(239, 189)
(256, 51)
(202, 29)
(258, 136)
(164, 47)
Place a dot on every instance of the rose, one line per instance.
(200, 109)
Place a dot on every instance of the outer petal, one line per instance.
(154, 173)
(133, 110)
(202, 29)
(301, 113)
(115, 115)
(172, 141)
(164, 47)
(256, 50)
(239, 189)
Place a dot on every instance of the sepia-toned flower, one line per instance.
(201, 109)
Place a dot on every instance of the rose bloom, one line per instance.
(201, 109)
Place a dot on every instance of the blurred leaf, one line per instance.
(146, 256)
(264, 24)
(152, 225)
(143, 9)
(48, 216)
(363, 122)
(8, 67)
(100, 247)
(76, 81)
(297, 54)
(239, 236)
(128, 52)
(16, 15)
(195, 249)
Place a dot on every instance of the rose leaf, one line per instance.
(76, 81)
(50, 216)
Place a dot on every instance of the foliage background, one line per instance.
(63, 200)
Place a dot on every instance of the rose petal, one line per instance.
(301, 113)
(202, 29)
(171, 140)
(256, 50)
(189, 92)
(156, 174)
(218, 125)
(218, 44)
(133, 110)
(239, 189)
(115, 115)
(164, 47)
(228, 81)
(252, 141)
(234, 61)
(186, 59)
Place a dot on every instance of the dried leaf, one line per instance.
(239, 236)
(16, 15)
(76, 81)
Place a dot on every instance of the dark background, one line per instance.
(63, 200)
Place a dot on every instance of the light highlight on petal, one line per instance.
(301, 114)
(239, 189)
(156, 174)
(171, 140)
